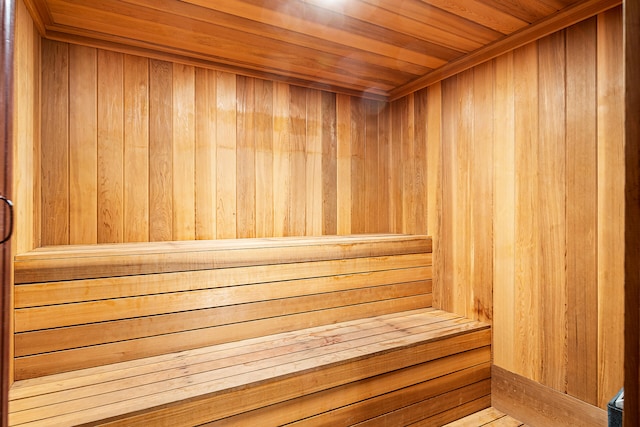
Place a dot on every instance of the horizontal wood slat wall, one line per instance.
(530, 227)
(137, 150)
(158, 298)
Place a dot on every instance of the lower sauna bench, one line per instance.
(320, 331)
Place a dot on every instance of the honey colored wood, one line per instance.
(273, 285)
(504, 174)
(83, 145)
(564, 18)
(251, 371)
(582, 211)
(354, 405)
(160, 151)
(611, 204)
(183, 153)
(361, 48)
(110, 147)
(545, 321)
(487, 417)
(552, 221)
(136, 147)
(54, 154)
(536, 404)
(632, 197)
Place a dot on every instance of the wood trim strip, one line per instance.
(562, 19)
(631, 21)
(537, 405)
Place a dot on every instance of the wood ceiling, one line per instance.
(373, 48)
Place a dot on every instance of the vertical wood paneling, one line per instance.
(55, 143)
(504, 176)
(461, 194)
(226, 156)
(297, 163)
(264, 158)
(396, 166)
(246, 171)
(314, 194)
(610, 204)
(527, 352)
(481, 187)
(343, 115)
(384, 168)
(582, 212)
(110, 147)
(408, 164)
(83, 145)
(26, 155)
(371, 156)
(281, 165)
(358, 167)
(184, 227)
(445, 260)
(434, 184)
(421, 206)
(329, 165)
(136, 149)
(160, 151)
(206, 120)
(551, 195)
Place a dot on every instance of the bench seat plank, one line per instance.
(270, 369)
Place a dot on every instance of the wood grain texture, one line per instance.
(83, 145)
(136, 149)
(266, 286)
(536, 404)
(611, 204)
(451, 354)
(110, 171)
(555, 147)
(552, 222)
(55, 146)
(582, 211)
(160, 151)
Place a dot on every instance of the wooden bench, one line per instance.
(327, 330)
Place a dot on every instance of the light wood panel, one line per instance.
(184, 153)
(156, 298)
(409, 365)
(532, 140)
(25, 179)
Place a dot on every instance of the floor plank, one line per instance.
(485, 418)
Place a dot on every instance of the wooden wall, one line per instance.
(144, 150)
(515, 168)
(26, 162)
(530, 229)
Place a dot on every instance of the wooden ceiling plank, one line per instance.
(263, 30)
(269, 13)
(451, 24)
(223, 46)
(481, 13)
(562, 19)
(429, 29)
(527, 10)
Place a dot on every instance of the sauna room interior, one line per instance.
(314, 212)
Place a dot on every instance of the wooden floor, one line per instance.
(485, 418)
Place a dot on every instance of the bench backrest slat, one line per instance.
(88, 307)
